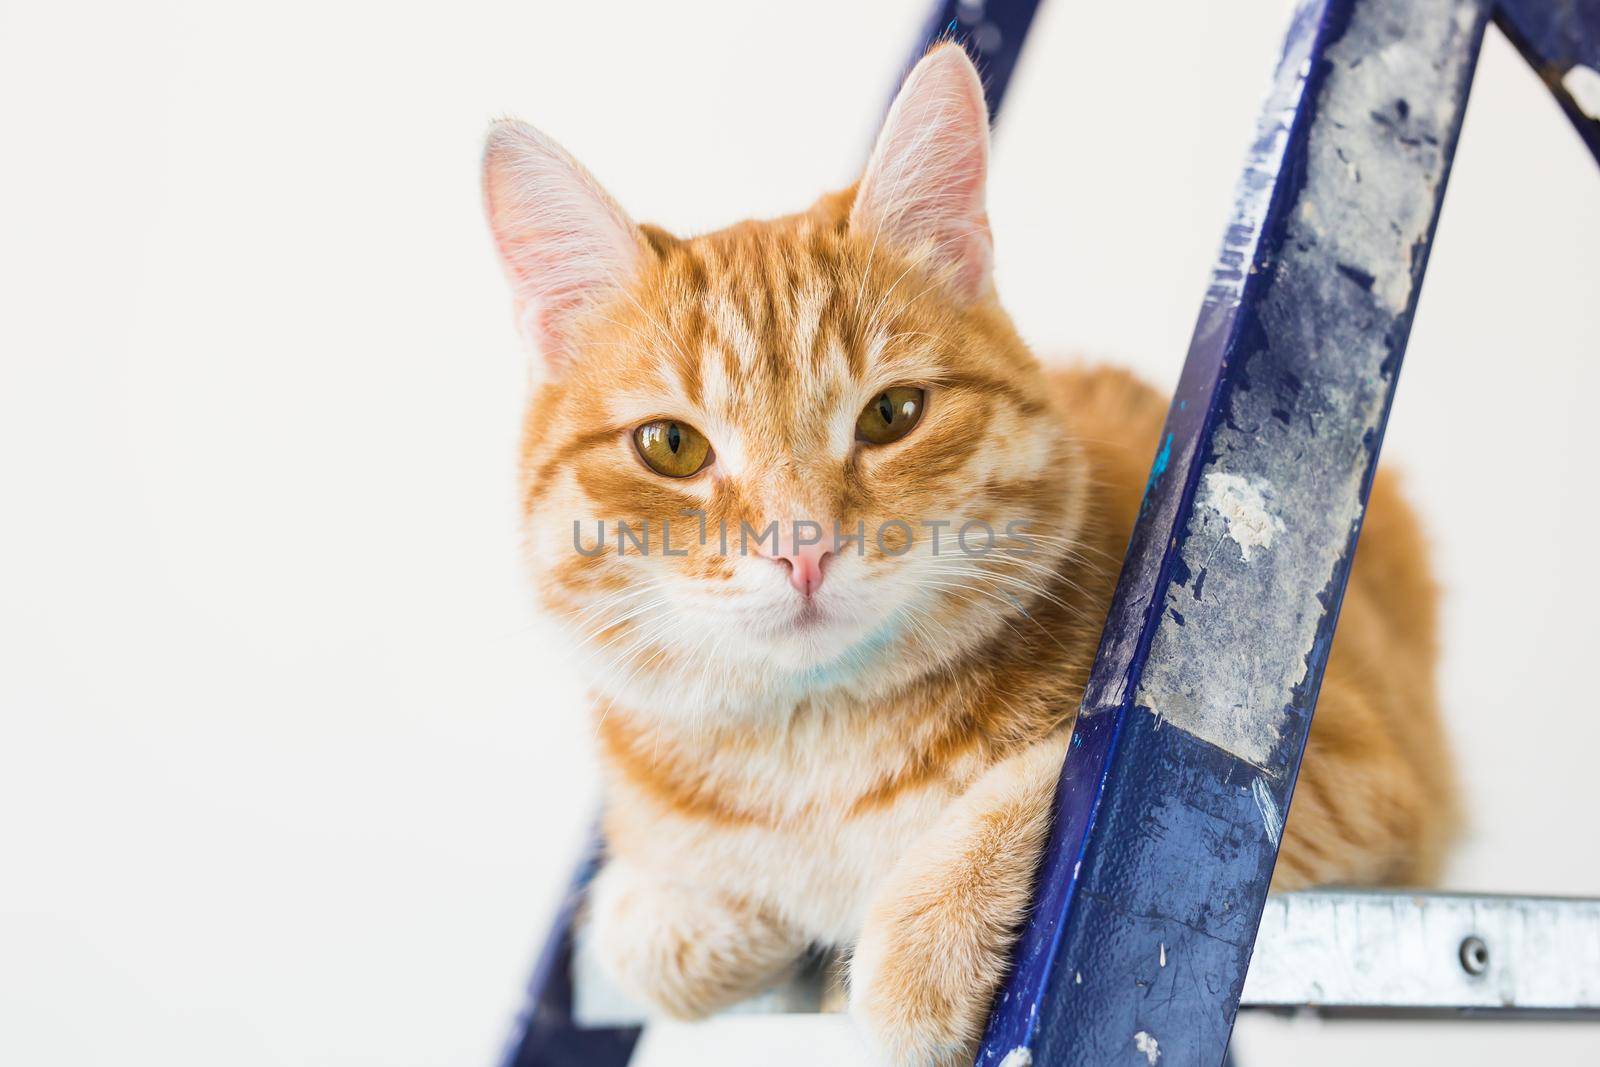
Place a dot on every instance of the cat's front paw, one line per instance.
(938, 935)
(685, 950)
(915, 1003)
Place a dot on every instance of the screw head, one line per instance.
(1474, 955)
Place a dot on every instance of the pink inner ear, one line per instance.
(565, 244)
(552, 288)
(923, 189)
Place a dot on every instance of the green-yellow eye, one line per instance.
(672, 448)
(891, 415)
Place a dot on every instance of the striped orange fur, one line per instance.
(866, 763)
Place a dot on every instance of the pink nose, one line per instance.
(805, 567)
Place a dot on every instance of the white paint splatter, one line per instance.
(1583, 85)
(1147, 1045)
(1243, 507)
(1020, 1056)
(1163, 953)
(1271, 818)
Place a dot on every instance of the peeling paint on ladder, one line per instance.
(1271, 818)
(1018, 1057)
(1583, 85)
(1243, 506)
(1147, 1045)
(1280, 495)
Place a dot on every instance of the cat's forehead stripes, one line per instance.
(780, 332)
(770, 338)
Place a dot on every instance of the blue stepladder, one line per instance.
(1153, 888)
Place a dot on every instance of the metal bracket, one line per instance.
(1406, 954)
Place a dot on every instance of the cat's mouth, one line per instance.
(810, 619)
(809, 616)
(816, 630)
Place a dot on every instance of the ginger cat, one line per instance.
(853, 742)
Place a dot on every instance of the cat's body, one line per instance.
(857, 748)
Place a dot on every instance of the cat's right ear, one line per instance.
(924, 185)
(565, 244)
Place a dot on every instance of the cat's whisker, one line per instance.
(1012, 581)
(592, 627)
(644, 635)
(622, 689)
(1016, 605)
(607, 602)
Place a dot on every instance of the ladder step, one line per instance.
(1427, 953)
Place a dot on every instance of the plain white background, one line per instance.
(287, 772)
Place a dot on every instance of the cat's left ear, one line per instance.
(923, 190)
(566, 245)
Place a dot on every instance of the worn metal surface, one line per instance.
(992, 32)
(1423, 953)
(1561, 40)
(1184, 758)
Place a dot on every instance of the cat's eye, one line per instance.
(671, 448)
(890, 415)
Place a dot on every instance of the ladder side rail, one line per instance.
(1170, 805)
